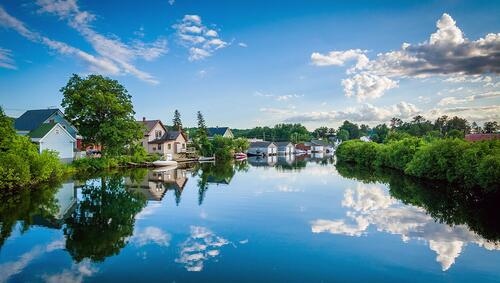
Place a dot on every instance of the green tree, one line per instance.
(102, 110)
(342, 134)
(202, 128)
(103, 220)
(177, 123)
(396, 123)
(321, 132)
(490, 127)
(352, 128)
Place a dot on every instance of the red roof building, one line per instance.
(481, 137)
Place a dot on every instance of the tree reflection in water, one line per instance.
(25, 206)
(103, 219)
(219, 173)
(444, 202)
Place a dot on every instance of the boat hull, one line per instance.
(164, 163)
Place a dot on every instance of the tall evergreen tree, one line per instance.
(202, 128)
(177, 123)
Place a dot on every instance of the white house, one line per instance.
(53, 136)
(157, 139)
(285, 148)
(262, 148)
(317, 146)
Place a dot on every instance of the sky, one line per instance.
(258, 63)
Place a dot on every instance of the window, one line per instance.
(159, 147)
(183, 145)
(154, 147)
(158, 134)
(169, 146)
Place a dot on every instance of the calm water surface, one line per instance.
(272, 220)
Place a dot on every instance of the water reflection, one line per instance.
(102, 220)
(369, 204)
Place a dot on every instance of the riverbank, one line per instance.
(453, 160)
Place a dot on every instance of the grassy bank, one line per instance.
(453, 160)
(91, 165)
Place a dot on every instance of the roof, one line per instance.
(283, 143)
(169, 136)
(150, 124)
(319, 142)
(261, 144)
(31, 119)
(217, 131)
(41, 131)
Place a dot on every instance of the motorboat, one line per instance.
(240, 156)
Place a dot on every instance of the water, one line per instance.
(271, 220)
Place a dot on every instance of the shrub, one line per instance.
(397, 153)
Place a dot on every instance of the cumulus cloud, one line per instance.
(75, 274)
(366, 113)
(242, 44)
(200, 40)
(6, 60)
(371, 205)
(471, 113)
(447, 52)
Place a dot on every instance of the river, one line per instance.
(274, 219)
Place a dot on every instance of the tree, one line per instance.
(342, 134)
(177, 123)
(459, 124)
(352, 128)
(364, 130)
(440, 124)
(396, 123)
(379, 133)
(202, 128)
(101, 109)
(475, 127)
(321, 132)
(490, 127)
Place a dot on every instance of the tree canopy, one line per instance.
(102, 110)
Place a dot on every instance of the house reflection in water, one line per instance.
(157, 182)
(256, 161)
(66, 200)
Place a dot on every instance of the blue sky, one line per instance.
(251, 63)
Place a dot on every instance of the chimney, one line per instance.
(144, 119)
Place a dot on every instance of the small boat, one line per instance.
(300, 152)
(206, 158)
(164, 163)
(240, 156)
(164, 168)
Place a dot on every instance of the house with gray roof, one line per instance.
(220, 131)
(158, 139)
(285, 148)
(262, 148)
(50, 130)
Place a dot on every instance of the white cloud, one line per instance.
(339, 58)
(287, 97)
(171, 2)
(446, 53)
(116, 56)
(6, 60)
(242, 44)
(201, 41)
(475, 113)
(365, 113)
(365, 85)
(372, 205)
(455, 100)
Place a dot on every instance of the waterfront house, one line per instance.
(155, 184)
(285, 148)
(482, 137)
(306, 147)
(317, 146)
(50, 130)
(262, 148)
(220, 131)
(157, 139)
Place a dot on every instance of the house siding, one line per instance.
(58, 140)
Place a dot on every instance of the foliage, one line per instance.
(491, 127)
(91, 165)
(176, 122)
(351, 128)
(342, 134)
(453, 160)
(281, 132)
(102, 110)
(103, 220)
(21, 164)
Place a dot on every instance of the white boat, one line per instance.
(164, 168)
(164, 163)
(300, 152)
(206, 159)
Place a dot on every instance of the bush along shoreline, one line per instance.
(457, 161)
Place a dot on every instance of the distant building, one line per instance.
(318, 146)
(482, 137)
(262, 148)
(285, 148)
(306, 147)
(157, 139)
(365, 139)
(220, 131)
(50, 130)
